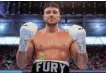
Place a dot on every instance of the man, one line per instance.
(52, 47)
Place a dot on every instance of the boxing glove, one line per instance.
(78, 35)
(26, 31)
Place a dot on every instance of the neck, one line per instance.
(51, 29)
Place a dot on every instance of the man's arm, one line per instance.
(25, 51)
(80, 59)
(23, 57)
(78, 46)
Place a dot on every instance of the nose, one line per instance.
(51, 15)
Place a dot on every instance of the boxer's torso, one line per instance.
(53, 46)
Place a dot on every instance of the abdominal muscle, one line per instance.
(53, 54)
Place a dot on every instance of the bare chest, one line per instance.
(46, 41)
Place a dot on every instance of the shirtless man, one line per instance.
(51, 47)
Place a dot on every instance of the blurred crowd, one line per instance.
(8, 60)
(96, 61)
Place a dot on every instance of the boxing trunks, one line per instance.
(50, 66)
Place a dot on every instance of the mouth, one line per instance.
(51, 19)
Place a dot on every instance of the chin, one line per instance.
(51, 24)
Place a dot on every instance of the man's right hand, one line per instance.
(26, 31)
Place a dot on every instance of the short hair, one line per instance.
(51, 4)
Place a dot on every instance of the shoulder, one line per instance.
(64, 32)
(37, 34)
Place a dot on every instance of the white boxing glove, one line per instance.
(78, 34)
(26, 31)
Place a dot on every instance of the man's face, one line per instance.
(51, 16)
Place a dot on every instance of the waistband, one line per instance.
(63, 62)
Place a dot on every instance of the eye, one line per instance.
(48, 12)
(55, 12)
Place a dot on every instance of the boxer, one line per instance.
(51, 46)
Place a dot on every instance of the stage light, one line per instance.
(97, 26)
(2, 27)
